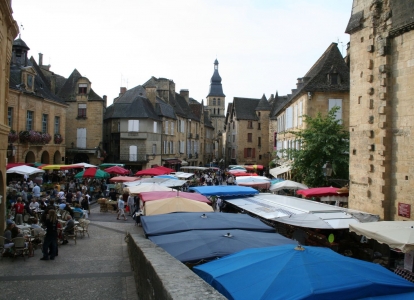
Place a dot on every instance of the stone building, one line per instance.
(84, 129)
(8, 32)
(153, 125)
(324, 86)
(216, 107)
(247, 131)
(36, 116)
(382, 75)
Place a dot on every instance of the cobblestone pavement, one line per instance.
(97, 267)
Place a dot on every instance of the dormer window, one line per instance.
(333, 76)
(83, 87)
(30, 81)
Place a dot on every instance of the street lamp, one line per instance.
(327, 170)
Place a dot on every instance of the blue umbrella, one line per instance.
(196, 245)
(224, 190)
(166, 176)
(286, 272)
(178, 222)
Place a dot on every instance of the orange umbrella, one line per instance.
(123, 179)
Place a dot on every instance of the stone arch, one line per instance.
(30, 157)
(45, 158)
(57, 158)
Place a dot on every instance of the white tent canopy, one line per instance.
(24, 170)
(301, 212)
(396, 234)
(287, 185)
(183, 174)
(279, 170)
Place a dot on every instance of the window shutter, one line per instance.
(245, 152)
(130, 125)
(155, 127)
(253, 152)
(132, 153)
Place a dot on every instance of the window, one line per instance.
(218, 102)
(10, 117)
(172, 148)
(81, 138)
(165, 147)
(29, 120)
(44, 123)
(249, 137)
(259, 141)
(133, 125)
(30, 81)
(275, 140)
(233, 125)
(249, 124)
(154, 148)
(182, 145)
(133, 150)
(259, 126)
(233, 153)
(300, 109)
(338, 103)
(218, 111)
(214, 111)
(166, 127)
(82, 88)
(181, 126)
(234, 138)
(289, 117)
(172, 128)
(214, 101)
(249, 152)
(57, 125)
(82, 110)
(155, 127)
(258, 113)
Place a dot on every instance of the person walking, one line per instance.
(131, 204)
(121, 207)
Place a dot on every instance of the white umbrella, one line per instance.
(287, 185)
(147, 187)
(24, 170)
(85, 165)
(252, 178)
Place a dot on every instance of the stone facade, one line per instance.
(381, 122)
(8, 31)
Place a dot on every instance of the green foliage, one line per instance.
(324, 139)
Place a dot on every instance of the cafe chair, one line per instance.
(19, 248)
(26, 218)
(83, 227)
(76, 215)
(67, 236)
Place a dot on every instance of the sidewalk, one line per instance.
(95, 268)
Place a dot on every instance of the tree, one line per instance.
(323, 140)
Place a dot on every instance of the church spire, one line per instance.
(216, 88)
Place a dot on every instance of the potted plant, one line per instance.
(58, 138)
(35, 137)
(13, 136)
(24, 136)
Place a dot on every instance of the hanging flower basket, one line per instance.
(58, 138)
(13, 136)
(24, 136)
(35, 137)
(46, 138)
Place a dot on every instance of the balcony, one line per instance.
(134, 135)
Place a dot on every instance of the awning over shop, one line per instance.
(301, 212)
(172, 161)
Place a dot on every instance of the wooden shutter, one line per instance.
(253, 152)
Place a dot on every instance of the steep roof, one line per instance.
(183, 108)
(136, 108)
(245, 108)
(277, 104)
(69, 88)
(263, 104)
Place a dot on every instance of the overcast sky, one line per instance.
(262, 46)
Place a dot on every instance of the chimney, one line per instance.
(105, 100)
(40, 59)
(299, 83)
(123, 91)
(151, 92)
(185, 94)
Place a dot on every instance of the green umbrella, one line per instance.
(92, 173)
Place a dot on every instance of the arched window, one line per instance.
(214, 101)
(218, 102)
(218, 111)
(214, 111)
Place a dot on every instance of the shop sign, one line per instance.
(404, 210)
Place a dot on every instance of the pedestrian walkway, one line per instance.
(97, 267)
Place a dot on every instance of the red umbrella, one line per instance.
(150, 196)
(243, 174)
(117, 170)
(92, 173)
(253, 167)
(151, 172)
(320, 192)
(123, 179)
(165, 169)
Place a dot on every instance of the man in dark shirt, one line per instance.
(68, 229)
(112, 195)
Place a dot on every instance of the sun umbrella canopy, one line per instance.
(123, 179)
(166, 176)
(168, 170)
(78, 166)
(175, 204)
(12, 165)
(253, 167)
(24, 170)
(178, 222)
(237, 174)
(301, 273)
(117, 170)
(150, 196)
(224, 190)
(238, 168)
(320, 192)
(147, 187)
(92, 173)
(52, 167)
(254, 181)
(287, 185)
(151, 172)
(195, 245)
(396, 234)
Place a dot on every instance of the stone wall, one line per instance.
(160, 276)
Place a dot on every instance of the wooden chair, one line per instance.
(19, 248)
(83, 227)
